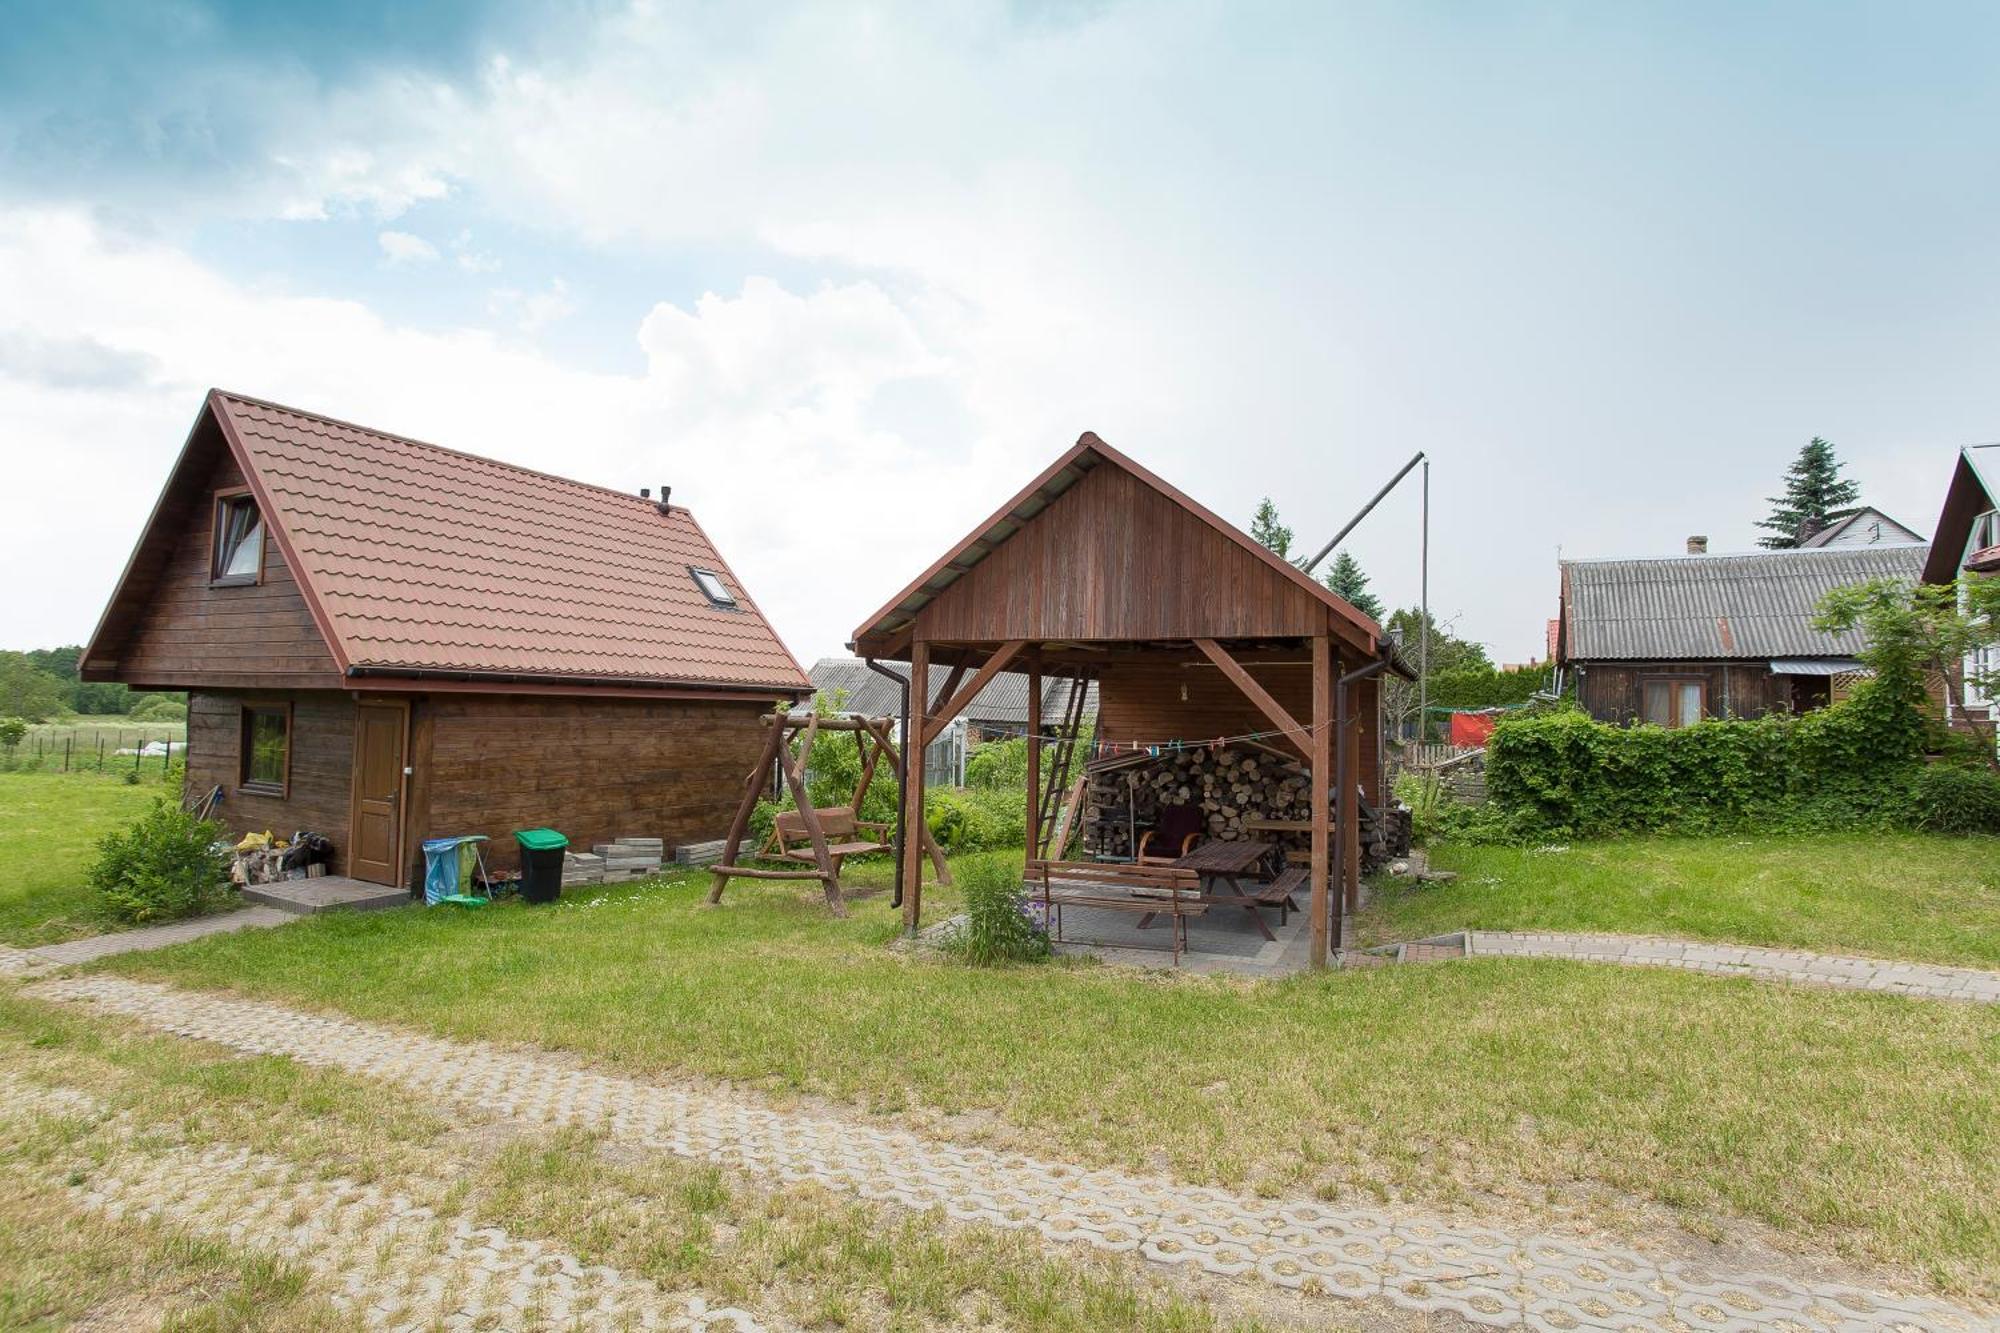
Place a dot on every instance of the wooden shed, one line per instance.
(1189, 629)
(385, 640)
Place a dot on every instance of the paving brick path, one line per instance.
(1926, 980)
(27, 962)
(1485, 1275)
(395, 1262)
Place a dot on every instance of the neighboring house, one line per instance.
(995, 713)
(1866, 526)
(385, 641)
(1672, 641)
(1968, 541)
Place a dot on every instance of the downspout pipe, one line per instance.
(1341, 745)
(903, 716)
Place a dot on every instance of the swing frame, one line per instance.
(874, 742)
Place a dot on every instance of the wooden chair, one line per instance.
(1147, 890)
(1178, 830)
(845, 836)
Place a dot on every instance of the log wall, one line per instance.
(322, 745)
(1614, 692)
(593, 769)
(1142, 702)
(185, 634)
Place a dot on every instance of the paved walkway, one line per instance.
(30, 961)
(1489, 1276)
(395, 1262)
(1925, 980)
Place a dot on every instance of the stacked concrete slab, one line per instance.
(582, 868)
(629, 858)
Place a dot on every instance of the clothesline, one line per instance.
(1159, 747)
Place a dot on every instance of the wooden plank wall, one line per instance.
(189, 635)
(322, 760)
(1614, 691)
(595, 769)
(1114, 559)
(1142, 702)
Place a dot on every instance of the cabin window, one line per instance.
(267, 748)
(239, 540)
(710, 584)
(1673, 702)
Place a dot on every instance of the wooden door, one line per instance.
(375, 844)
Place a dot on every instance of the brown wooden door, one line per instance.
(375, 847)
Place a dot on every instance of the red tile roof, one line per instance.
(426, 559)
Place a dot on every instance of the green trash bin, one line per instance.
(541, 863)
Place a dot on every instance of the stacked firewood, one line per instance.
(1229, 788)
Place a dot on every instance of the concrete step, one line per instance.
(329, 893)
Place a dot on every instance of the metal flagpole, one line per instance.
(1424, 621)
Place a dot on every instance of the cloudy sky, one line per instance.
(1610, 266)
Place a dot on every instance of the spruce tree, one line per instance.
(1815, 493)
(1267, 531)
(1348, 582)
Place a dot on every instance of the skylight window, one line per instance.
(710, 584)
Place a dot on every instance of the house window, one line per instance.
(239, 540)
(710, 584)
(267, 749)
(1673, 701)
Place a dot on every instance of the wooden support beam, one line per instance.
(1034, 755)
(1295, 736)
(956, 705)
(809, 818)
(753, 787)
(886, 745)
(951, 680)
(1322, 769)
(912, 869)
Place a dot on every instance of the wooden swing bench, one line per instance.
(791, 840)
(820, 837)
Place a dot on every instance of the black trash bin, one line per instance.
(542, 851)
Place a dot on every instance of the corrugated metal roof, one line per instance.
(432, 560)
(1003, 701)
(1712, 607)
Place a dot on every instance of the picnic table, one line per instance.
(1223, 866)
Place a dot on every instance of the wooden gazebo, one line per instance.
(1190, 629)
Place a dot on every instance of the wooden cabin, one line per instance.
(1967, 544)
(1190, 630)
(1672, 641)
(385, 641)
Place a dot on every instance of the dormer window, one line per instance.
(239, 540)
(711, 587)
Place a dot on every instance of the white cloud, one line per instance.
(530, 312)
(402, 247)
(470, 258)
(737, 391)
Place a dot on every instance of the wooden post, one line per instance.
(913, 788)
(740, 824)
(829, 873)
(1322, 768)
(1034, 824)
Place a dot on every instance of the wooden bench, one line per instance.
(1278, 892)
(844, 836)
(1147, 890)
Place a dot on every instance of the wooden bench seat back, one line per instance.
(837, 823)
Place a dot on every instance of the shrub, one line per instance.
(1000, 925)
(998, 765)
(1946, 798)
(168, 865)
(1426, 796)
(977, 820)
(13, 731)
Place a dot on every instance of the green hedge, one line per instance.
(1564, 775)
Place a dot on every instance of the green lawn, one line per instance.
(1885, 894)
(1867, 1123)
(49, 827)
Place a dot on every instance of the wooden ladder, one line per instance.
(1056, 781)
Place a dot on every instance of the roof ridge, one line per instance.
(1717, 557)
(445, 449)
